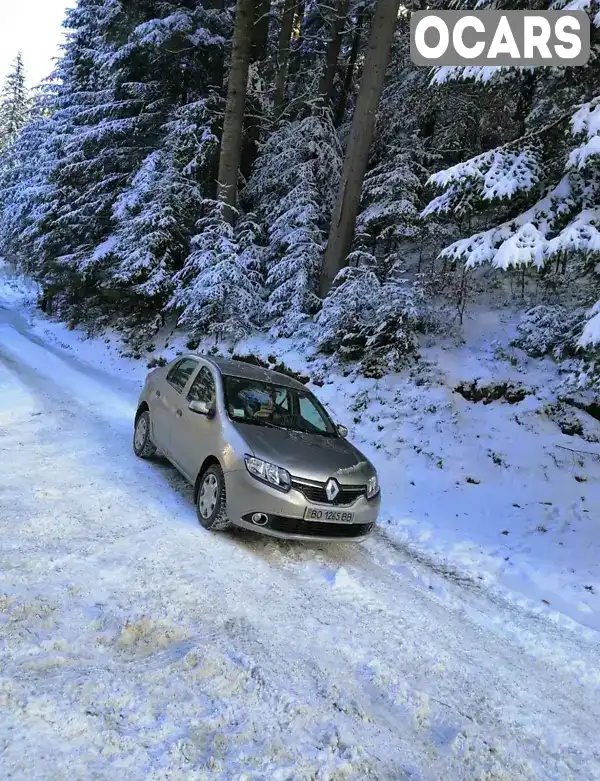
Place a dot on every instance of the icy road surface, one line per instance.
(136, 645)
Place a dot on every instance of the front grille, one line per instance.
(316, 493)
(317, 529)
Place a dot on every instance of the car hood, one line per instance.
(309, 456)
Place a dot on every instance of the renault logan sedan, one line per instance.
(259, 449)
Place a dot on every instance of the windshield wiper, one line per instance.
(268, 424)
(273, 425)
(256, 422)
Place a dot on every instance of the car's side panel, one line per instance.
(165, 399)
(195, 436)
(166, 407)
(152, 399)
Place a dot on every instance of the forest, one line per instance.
(282, 167)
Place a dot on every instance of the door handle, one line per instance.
(179, 413)
(158, 393)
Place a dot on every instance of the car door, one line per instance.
(167, 400)
(195, 435)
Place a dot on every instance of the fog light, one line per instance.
(260, 519)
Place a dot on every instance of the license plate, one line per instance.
(335, 516)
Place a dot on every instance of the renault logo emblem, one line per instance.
(332, 489)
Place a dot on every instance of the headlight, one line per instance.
(269, 473)
(372, 487)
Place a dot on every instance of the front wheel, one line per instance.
(143, 446)
(210, 502)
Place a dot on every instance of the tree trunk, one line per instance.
(349, 75)
(217, 68)
(231, 142)
(297, 37)
(260, 36)
(357, 151)
(252, 123)
(283, 51)
(333, 52)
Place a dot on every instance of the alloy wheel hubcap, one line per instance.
(140, 433)
(209, 494)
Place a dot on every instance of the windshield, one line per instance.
(265, 404)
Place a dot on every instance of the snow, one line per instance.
(527, 524)
(576, 5)
(499, 173)
(586, 121)
(591, 332)
(14, 288)
(136, 644)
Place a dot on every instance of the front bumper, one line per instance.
(246, 495)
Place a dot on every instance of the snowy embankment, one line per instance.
(494, 492)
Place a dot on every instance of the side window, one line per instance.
(203, 388)
(180, 373)
(311, 414)
(282, 400)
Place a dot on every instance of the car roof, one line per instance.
(250, 371)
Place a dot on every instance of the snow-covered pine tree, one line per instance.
(15, 103)
(87, 165)
(218, 290)
(178, 55)
(292, 190)
(391, 196)
(149, 241)
(155, 215)
(137, 84)
(541, 187)
(370, 322)
(350, 307)
(25, 192)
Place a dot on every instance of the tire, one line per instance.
(211, 500)
(143, 446)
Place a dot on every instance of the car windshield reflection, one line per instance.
(275, 406)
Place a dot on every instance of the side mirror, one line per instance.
(342, 431)
(201, 407)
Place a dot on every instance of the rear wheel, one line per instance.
(143, 446)
(210, 502)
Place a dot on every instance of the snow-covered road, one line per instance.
(134, 644)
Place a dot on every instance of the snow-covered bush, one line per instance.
(363, 319)
(550, 330)
(351, 304)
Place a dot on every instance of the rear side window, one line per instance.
(180, 373)
(203, 387)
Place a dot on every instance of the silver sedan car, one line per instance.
(260, 450)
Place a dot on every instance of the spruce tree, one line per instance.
(218, 291)
(26, 195)
(292, 190)
(14, 103)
